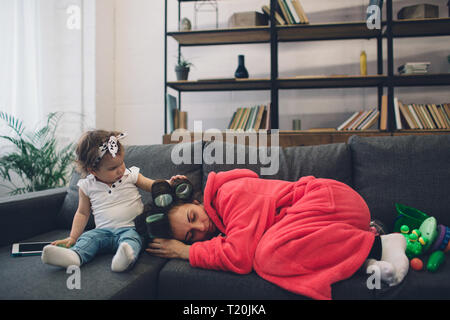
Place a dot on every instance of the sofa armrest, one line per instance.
(28, 215)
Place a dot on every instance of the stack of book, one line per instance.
(360, 120)
(290, 12)
(421, 116)
(414, 68)
(250, 118)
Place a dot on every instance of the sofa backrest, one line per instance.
(410, 170)
(332, 161)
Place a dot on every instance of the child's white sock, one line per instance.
(58, 256)
(393, 251)
(123, 258)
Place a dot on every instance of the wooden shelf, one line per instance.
(419, 80)
(221, 85)
(421, 27)
(326, 31)
(222, 36)
(342, 81)
(298, 32)
(303, 82)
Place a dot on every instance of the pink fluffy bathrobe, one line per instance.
(302, 236)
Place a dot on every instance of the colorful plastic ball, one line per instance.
(404, 229)
(416, 264)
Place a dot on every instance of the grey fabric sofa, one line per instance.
(412, 170)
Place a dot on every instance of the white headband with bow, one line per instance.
(110, 145)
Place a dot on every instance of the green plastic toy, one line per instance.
(435, 260)
(428, 228)
(409, 216)
(414, 242)
(421, 238)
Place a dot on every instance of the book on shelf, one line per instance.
(171, 113)
(384, 113)
(360, 120)
(176, 119)
(278, 17)
(250, 118)
(291, 11)
(422, 116)
(414, 68)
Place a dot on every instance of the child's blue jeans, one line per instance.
(97, 241)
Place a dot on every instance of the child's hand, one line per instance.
(67, 242)
(168, 248)
(175, 178)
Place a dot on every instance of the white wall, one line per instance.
(129, 68)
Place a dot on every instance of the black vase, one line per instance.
(241, 71)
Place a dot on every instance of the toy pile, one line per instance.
(424, 236)
(153, 222)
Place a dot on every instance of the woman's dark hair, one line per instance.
(154, 221)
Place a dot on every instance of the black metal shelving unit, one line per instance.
(274, 34)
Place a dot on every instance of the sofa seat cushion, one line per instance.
(27, 278)
(178, 280)
(420, 285)
(410, 170)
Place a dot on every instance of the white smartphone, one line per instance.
(28, 248)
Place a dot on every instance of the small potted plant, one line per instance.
(182, 68)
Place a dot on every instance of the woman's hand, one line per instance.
(67, 242)
(178, 176)
(168, 248)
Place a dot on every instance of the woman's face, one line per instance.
(191, 223)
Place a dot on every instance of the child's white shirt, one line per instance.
(116, 206)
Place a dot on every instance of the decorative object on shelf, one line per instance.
(296, 124)
(378, 3)
(247, 19)
(241, 71)
(185, 25)
(206, 6)
(419, 11)
(182, 68)
(363, 63)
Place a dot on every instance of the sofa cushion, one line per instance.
(331, 161)
(154, 161)
(411, 170)
(201, 284)
(27, 278)
(179, 281)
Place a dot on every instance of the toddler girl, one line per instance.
(110, 191)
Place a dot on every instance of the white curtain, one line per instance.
(47, 63)
(42, 62)
(20, 59)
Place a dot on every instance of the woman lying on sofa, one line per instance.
(302, 236)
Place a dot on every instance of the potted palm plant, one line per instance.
(36, 159)
(182, 68)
